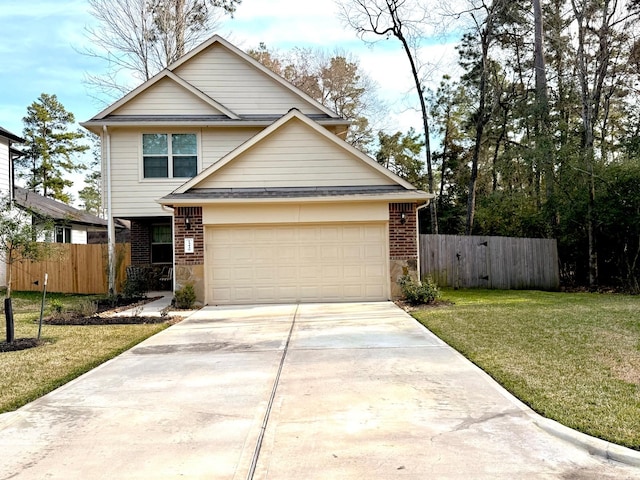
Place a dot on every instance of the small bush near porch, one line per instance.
(67, 352)
(573, 357)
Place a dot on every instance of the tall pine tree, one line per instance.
(51, 148)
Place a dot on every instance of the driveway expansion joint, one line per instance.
(276, 382)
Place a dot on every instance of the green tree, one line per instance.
(91, 194)
(18, 237)
(400, 153)
(450, 108)
(50, 149)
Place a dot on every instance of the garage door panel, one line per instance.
(290, 263)
(375, 271)
(352, 272)
(265, 273)
(331, 273)
(374, 290)
(223, 295)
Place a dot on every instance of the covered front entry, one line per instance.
(324, 262)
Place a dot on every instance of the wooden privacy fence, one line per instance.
(490, 262)
(73, 269)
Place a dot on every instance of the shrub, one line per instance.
(135, 285)
(87, 308)
(56, 307)
(419, 292)
(185, 297)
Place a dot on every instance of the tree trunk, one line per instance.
(481, 120)
(180, 24)
(425, 126)
(544, 148)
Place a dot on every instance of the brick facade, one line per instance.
(189, 267)
(403, 240)
(140, 243)
(195, 231)
(403, 244)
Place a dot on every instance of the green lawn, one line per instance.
(68, 351)
(574, 358)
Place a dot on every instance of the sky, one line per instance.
(40, 42)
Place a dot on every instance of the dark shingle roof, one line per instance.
(49, 208)
(201, 119)
(287, 192)
(7, 134)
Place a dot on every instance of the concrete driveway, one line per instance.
(331, 391)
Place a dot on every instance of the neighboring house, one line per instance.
(70, 225)
(245, 186)
(7, 154)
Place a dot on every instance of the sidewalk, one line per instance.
(150, 309)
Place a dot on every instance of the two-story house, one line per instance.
(7, 154)
(244, 185)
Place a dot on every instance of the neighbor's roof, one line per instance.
(11, 136)
(49, 208)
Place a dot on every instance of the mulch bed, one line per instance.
(104, 315)
(20, 344)
(114, 320)
(409, 307)
(105, 308)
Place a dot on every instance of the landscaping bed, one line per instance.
(107, 313)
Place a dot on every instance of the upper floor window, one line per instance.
(166, 155)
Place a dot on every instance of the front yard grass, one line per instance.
(572, 357)
(68, 351)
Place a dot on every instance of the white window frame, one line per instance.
(169, 176)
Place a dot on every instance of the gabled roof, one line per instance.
(7, 134)
(392, 187)
(54, 210)
(293, 114)
(169, 73)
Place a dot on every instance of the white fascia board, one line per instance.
(392, 198)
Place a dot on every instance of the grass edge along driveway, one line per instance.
(67, 353)
(572, 357)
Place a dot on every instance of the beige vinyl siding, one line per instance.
(166, 98)
(295, 156)
(239, 86)
(216, 143)
(131, 196)
(295, 213)
(134, 196)
(4, 165)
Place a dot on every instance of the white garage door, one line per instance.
(296, 263)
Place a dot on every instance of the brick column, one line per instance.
(140, 243)
(403, 244)
(187, 223)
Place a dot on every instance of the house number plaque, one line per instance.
(188, 245)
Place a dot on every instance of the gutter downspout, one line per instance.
(173, 243)
(111, 230)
